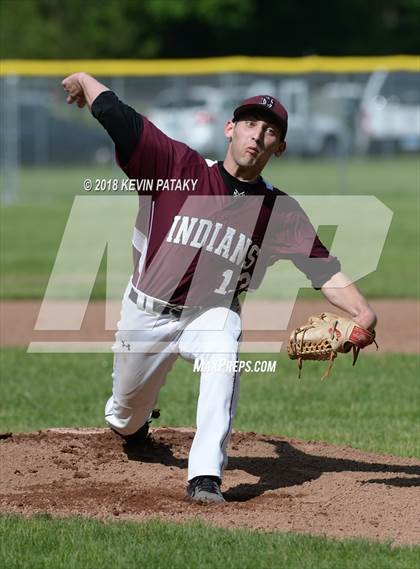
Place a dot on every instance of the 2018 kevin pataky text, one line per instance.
(143, 185)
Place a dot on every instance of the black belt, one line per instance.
(175, 310)
(159, 306)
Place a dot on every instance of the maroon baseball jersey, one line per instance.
(202, 236)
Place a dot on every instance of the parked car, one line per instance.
(311, 131)
(195, 117)
(389, 115)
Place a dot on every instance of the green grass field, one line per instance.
(32, 227)
(373, 406)
(43, 543)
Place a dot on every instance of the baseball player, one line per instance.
(205, 232)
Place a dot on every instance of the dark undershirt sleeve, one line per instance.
(123, 124)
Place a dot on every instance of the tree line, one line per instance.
(85, 29)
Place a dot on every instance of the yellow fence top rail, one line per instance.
(208, 66)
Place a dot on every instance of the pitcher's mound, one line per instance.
(271, 484)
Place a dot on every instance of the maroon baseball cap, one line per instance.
(268, 104)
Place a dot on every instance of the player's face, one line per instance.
(254, 139)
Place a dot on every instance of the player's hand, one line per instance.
(73, 86)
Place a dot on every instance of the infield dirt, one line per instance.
(271, 484)
(264, 321)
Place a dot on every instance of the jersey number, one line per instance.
(243, 283)
(227, 276)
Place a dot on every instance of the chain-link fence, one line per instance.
(330, 113)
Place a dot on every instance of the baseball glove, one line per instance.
(323, 337)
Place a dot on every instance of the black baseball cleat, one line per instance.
(205, 489)
(139, 438)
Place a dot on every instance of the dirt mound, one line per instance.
(271, 484)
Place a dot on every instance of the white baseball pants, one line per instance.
(147, 344)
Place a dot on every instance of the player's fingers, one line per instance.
(66, 83)
(67, 80)
(71, 91)
(71, 87)
(81, 102)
